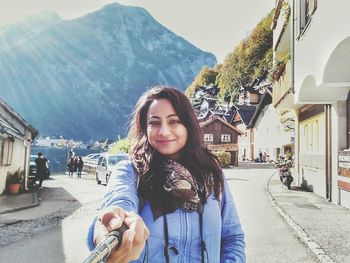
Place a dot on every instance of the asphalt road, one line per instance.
(268, 238)
(56, 230)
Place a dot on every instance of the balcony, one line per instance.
(282, 97)
(281, 32)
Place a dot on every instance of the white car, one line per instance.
(92, 158)
(105, 164)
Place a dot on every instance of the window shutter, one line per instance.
(313, 6)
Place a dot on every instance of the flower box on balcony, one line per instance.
(279, 71)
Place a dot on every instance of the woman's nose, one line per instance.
(164, 129)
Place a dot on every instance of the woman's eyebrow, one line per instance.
(157, 117)
(153, 117)
(172, 115)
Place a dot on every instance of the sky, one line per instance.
(213, 26)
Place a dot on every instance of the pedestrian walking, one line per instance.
(172, 192)
(260, 157)
(41, 169)
(264, 157)
(80, 165)
(71, 165)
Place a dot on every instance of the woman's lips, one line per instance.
(164, 141)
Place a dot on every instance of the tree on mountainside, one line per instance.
(205, 77)
(245, 63)
(248, 60)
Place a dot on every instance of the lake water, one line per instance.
(58, 156)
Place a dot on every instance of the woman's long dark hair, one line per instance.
(194, 156)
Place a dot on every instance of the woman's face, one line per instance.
(165, 132)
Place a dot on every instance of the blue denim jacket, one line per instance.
(222, 230)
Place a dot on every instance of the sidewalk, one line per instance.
(321, 225)
(13, 203)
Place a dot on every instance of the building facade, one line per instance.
(270, 137)
(219, 135)
(16, 136)
(315, 86)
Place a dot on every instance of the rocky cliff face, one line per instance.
(81, 78)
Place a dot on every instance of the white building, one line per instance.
(261, 124)
(16, 136)
(315, 85)
(270, 136)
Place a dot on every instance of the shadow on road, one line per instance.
(39, 235)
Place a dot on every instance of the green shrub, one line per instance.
(122, 145)
(224, 157)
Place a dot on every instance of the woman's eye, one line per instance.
(174, 121)
(153, 123)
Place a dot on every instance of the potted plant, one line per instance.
(14, 181)
(278, 69)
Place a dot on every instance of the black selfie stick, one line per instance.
(111, 242)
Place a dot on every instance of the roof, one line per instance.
(246, 112)
(7, 127)
(266, 99)
(216, 118)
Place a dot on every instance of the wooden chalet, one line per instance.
(220, 135)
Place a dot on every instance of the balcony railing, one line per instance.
(282, 86)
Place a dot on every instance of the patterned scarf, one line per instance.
(173, 187)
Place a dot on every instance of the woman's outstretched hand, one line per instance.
(133, 240)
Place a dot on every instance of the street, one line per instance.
(268, 238)
(59, 235)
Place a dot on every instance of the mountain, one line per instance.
(81, 78)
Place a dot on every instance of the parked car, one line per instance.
(105, 164)
(32, 169)
(91, 158)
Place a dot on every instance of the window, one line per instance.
(225, 137)
(306, 10)
(208, 137)
(6, 151)
(313, 138)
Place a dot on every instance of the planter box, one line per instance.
(14, 188)
(277, 75)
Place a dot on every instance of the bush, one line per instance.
(122, 145)
(224, 157)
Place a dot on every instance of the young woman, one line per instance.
(172, 193)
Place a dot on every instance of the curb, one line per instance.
(303, 236)
(34, 203)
